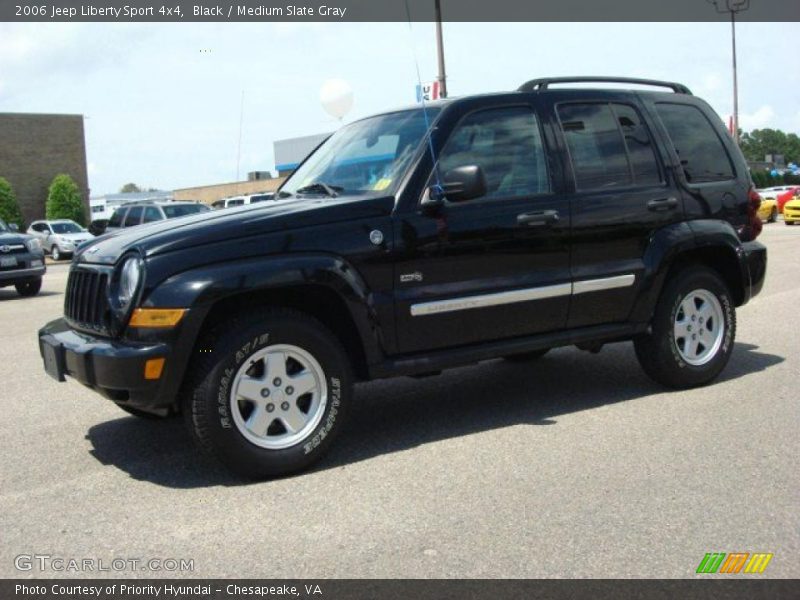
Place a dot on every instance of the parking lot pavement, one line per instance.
(576, 465)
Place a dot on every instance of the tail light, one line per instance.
(753, 227)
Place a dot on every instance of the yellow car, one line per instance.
(791, 211)
(768, 211)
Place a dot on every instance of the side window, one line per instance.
(151, 213)
(134, 216)
(641, 152)
(699, 148)
(507, 144)
(596, 147)
(116, 218)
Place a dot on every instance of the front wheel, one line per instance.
(269, 393)
(56, 252)
(692, 332)
(773, 215)
(29, 288)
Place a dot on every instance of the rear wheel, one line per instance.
(269, 393)
(527, 356)
(692, 332)
(788, 222)
(29, 288)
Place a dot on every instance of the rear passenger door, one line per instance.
(619, 198)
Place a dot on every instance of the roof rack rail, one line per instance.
(535, 85)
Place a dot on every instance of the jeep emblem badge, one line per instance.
(376, 237)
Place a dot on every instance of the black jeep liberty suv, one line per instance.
(468, 229)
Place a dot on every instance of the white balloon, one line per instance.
(336, 96)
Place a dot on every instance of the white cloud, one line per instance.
(761, 118)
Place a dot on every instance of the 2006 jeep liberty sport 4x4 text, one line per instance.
(496, 225)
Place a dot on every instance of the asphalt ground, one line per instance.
(573, 466)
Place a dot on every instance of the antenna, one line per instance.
(428, 131)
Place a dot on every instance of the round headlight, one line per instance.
(130, 275)
(34, 245)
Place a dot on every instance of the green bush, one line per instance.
(64, 200)
(9, 208)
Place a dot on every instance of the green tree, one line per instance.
(9, 208)
(64, 200)
(758, 143)
(129, 188)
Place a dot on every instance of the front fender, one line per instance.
(200, 288)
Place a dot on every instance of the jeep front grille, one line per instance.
(86, 300)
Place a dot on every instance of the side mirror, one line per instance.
(463, 183)
(13, 227)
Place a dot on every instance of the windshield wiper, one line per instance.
(320, 187)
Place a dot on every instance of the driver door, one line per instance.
(494, 267)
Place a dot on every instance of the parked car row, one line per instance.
(242, 200)
(775, 200)
(21, 260)
(150, 211)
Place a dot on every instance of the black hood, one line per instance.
(231, 223)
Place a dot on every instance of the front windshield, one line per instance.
(365, 157)
(181, 210)
(66, 227)
(3, 226)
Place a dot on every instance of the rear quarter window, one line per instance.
(699, 148)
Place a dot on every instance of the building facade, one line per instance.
(34, 148)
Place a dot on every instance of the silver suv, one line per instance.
(60, 237)
(149, 211)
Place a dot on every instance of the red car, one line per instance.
(784, 197)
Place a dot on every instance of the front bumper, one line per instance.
(753, 257)
(114, 369)
(25, 273)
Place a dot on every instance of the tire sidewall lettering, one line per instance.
(224, 389)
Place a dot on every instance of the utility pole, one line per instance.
(442, 77)
(733, 7)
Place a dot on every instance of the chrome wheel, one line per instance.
(56, 253)
(699, 327)
(278, 396)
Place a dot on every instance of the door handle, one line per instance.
(663, 204)
(538, 219)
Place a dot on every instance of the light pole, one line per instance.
(442, 78)
(733, 7)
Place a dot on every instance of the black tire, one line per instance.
(29, 288)
(658, 351)
(773, 217)
(208, 409)
(527, 356)
(789, 222)
(55, 252)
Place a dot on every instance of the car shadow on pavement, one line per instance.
(11, 294)
(395, 415)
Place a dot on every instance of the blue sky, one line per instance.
(162, 100)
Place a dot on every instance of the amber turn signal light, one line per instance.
(153, 368)
(156, 317)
